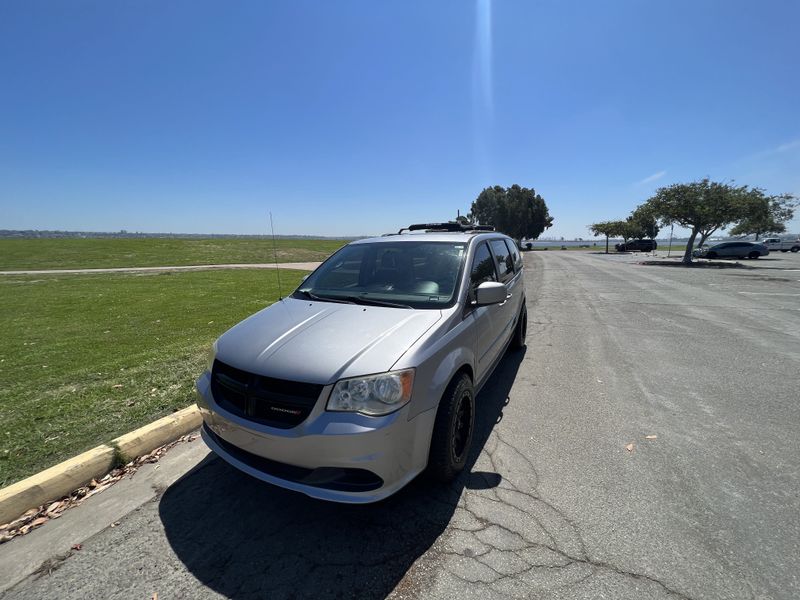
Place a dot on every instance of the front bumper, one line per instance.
(336, 456)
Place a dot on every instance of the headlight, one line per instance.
(373, 395)
(212, 354)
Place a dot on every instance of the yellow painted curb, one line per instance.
(63, 478)
(55, 482)
(147, 438)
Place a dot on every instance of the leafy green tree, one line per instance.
(610, 229)
(702, 206)
(631, 230)
(646, 221)
(764, 214)
(516, 211)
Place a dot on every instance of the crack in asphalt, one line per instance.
(511, 541)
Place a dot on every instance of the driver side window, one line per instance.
(482, 268)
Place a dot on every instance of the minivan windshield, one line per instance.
(407, 274)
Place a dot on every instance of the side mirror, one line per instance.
(491, 292)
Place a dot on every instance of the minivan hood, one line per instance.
(322, 342)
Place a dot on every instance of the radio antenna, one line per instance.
(275, 256)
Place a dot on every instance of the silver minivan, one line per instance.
(367, 373)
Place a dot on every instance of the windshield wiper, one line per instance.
(373, 302)
(312, 296)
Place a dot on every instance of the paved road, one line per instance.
(554, 505)
(303, 266)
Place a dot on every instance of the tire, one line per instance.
(453, 430)
(711, 255)
(520, 331)
(753, 255)
(795, 248)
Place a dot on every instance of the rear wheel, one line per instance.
(452, 431)
(521, 330)
(753, 254)
(795, 248)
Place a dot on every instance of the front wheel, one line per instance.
(452, 431)
(753, 255)
(795, 248)
(520, 331)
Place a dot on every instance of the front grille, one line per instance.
(273, 402)
(339, 479)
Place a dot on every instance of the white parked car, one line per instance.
(782, 245)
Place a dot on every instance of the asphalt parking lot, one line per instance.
(643, 446)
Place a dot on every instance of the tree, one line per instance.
(646, 221)
(610, 229)
(764, 214)
(631, 230)
(516, 211)
(702, 206)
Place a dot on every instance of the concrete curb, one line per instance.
(63, 478)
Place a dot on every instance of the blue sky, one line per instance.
(358, 117)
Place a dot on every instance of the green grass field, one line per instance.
(87, 253)
(88, 357)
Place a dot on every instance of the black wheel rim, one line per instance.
(462, 427)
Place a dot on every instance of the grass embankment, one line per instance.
(88, 357)
(88, 253)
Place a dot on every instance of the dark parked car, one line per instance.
(637, 246)
(732, 250)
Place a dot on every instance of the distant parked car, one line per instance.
(782, 245)
(732, 250)
(637, 246)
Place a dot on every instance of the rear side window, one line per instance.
(482, 267)
(515, 257)
(505, 264)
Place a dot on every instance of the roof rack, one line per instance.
(449, 226)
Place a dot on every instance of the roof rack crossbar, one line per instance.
(450, 226)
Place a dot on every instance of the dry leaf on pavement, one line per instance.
(629, 447)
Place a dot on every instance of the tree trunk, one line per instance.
(606, 244)
(757, 235)
(687, 256)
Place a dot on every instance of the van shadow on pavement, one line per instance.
(244, 538)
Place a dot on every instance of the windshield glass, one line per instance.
(400, 274)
